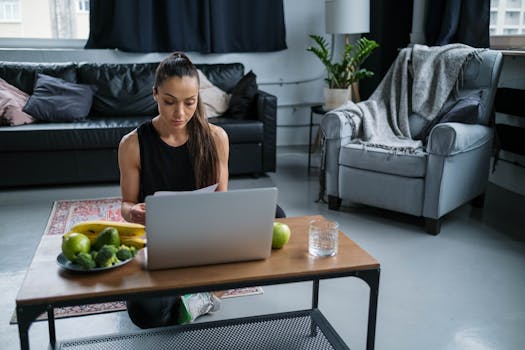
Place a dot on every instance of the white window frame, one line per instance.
(12, 4)
(41, 43)
(80, 5)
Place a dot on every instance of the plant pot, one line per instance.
(334, 98)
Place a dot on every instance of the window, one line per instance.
(9, 11)
(507, 24)
(512, 18)
(493, 18)
(83, 5)
(43, 19)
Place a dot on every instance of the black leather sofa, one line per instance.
(86, 151)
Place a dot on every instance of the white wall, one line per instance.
(294, 75)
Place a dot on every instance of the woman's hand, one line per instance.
(137, 213)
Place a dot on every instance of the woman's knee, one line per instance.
(279, 212)
(153, 312)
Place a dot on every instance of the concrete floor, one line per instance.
(462, 289)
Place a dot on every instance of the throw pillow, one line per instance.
(56, 100)
(12, 100)
(467, 110)
(242, 102)
(214, 100)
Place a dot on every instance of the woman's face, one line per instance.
(177, 100)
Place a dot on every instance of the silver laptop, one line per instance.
(192, 228)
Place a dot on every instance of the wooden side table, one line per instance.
(317, 109)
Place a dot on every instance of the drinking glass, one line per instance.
(323, 238)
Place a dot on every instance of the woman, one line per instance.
(178, 150)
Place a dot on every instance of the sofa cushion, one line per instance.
(383, 161)
(88, 134)
(122, 89)
(223, 75)
(12, 101)
(23, 74)
(56, 100)
(240, 131)
(214, 100)
(242, 102)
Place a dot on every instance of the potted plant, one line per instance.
(342, 75)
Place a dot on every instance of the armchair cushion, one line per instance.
(383, 161)
(468, 109)
(451, 138)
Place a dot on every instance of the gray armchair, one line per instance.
(452, 168)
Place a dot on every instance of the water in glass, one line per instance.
(323, 237)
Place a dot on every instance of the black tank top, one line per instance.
(163, 167)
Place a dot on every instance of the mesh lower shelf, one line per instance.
(280, 331)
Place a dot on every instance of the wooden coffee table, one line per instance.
(47, 286)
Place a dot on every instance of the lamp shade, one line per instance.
(347, 16)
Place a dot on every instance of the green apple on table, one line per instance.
(75, 243)
(281, 235)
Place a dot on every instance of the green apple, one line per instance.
(74, 243)
(281, 235)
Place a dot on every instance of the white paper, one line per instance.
(211, 188)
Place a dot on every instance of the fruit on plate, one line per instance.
(281, 235)
(92, 228)
(74, 243)
(136, 242)
(108, 236)
(100, 246)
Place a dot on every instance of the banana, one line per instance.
(130, 234)
(137, 242)
(93, 227)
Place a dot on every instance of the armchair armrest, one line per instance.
(267, 113)
(337, 126)
(447, 139)
(337, 130)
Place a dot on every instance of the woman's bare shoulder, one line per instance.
(218, 133)
(130, 139)
(129, 145)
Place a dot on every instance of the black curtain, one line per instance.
(458, 21)
(390, 26)
(206, 26)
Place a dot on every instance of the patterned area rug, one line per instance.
(65, 214)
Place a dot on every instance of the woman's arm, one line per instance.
(223, 151)
(129, 164)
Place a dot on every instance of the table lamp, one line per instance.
(347, 17)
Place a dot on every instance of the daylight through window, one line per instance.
(46, 19)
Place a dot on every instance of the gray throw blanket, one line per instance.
(419, 81)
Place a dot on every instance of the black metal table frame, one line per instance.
(27, 314)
